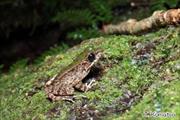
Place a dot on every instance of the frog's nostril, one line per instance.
(91, 57)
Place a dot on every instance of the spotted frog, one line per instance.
(62, 86)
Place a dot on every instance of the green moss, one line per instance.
(154, 88)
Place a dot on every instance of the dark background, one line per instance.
(30, 27)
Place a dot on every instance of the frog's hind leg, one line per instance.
(81, 86)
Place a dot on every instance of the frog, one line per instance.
(62, 86)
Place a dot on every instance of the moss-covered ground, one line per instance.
(143, 76)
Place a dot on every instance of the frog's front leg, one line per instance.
(85, 86)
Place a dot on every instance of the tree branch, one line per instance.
(132, 26)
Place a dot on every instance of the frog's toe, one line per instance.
(54, 98)
(65, 98)
(90, 84)
(69, 98)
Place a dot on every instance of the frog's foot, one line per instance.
(90, 84)
(85, 86)
(51, 80)
(57, 98)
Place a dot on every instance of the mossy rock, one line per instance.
(143, 76)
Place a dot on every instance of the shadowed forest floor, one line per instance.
(143, 75)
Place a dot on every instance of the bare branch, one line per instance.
(132, 26)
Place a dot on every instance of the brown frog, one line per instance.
(62, 86)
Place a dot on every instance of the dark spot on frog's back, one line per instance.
(91, 57)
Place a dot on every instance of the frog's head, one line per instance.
(94, 56)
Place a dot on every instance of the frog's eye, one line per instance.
(91, 57)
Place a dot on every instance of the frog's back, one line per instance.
(80, 57)
(75, 74)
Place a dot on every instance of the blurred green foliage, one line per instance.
(164, 4)
(31, 13)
